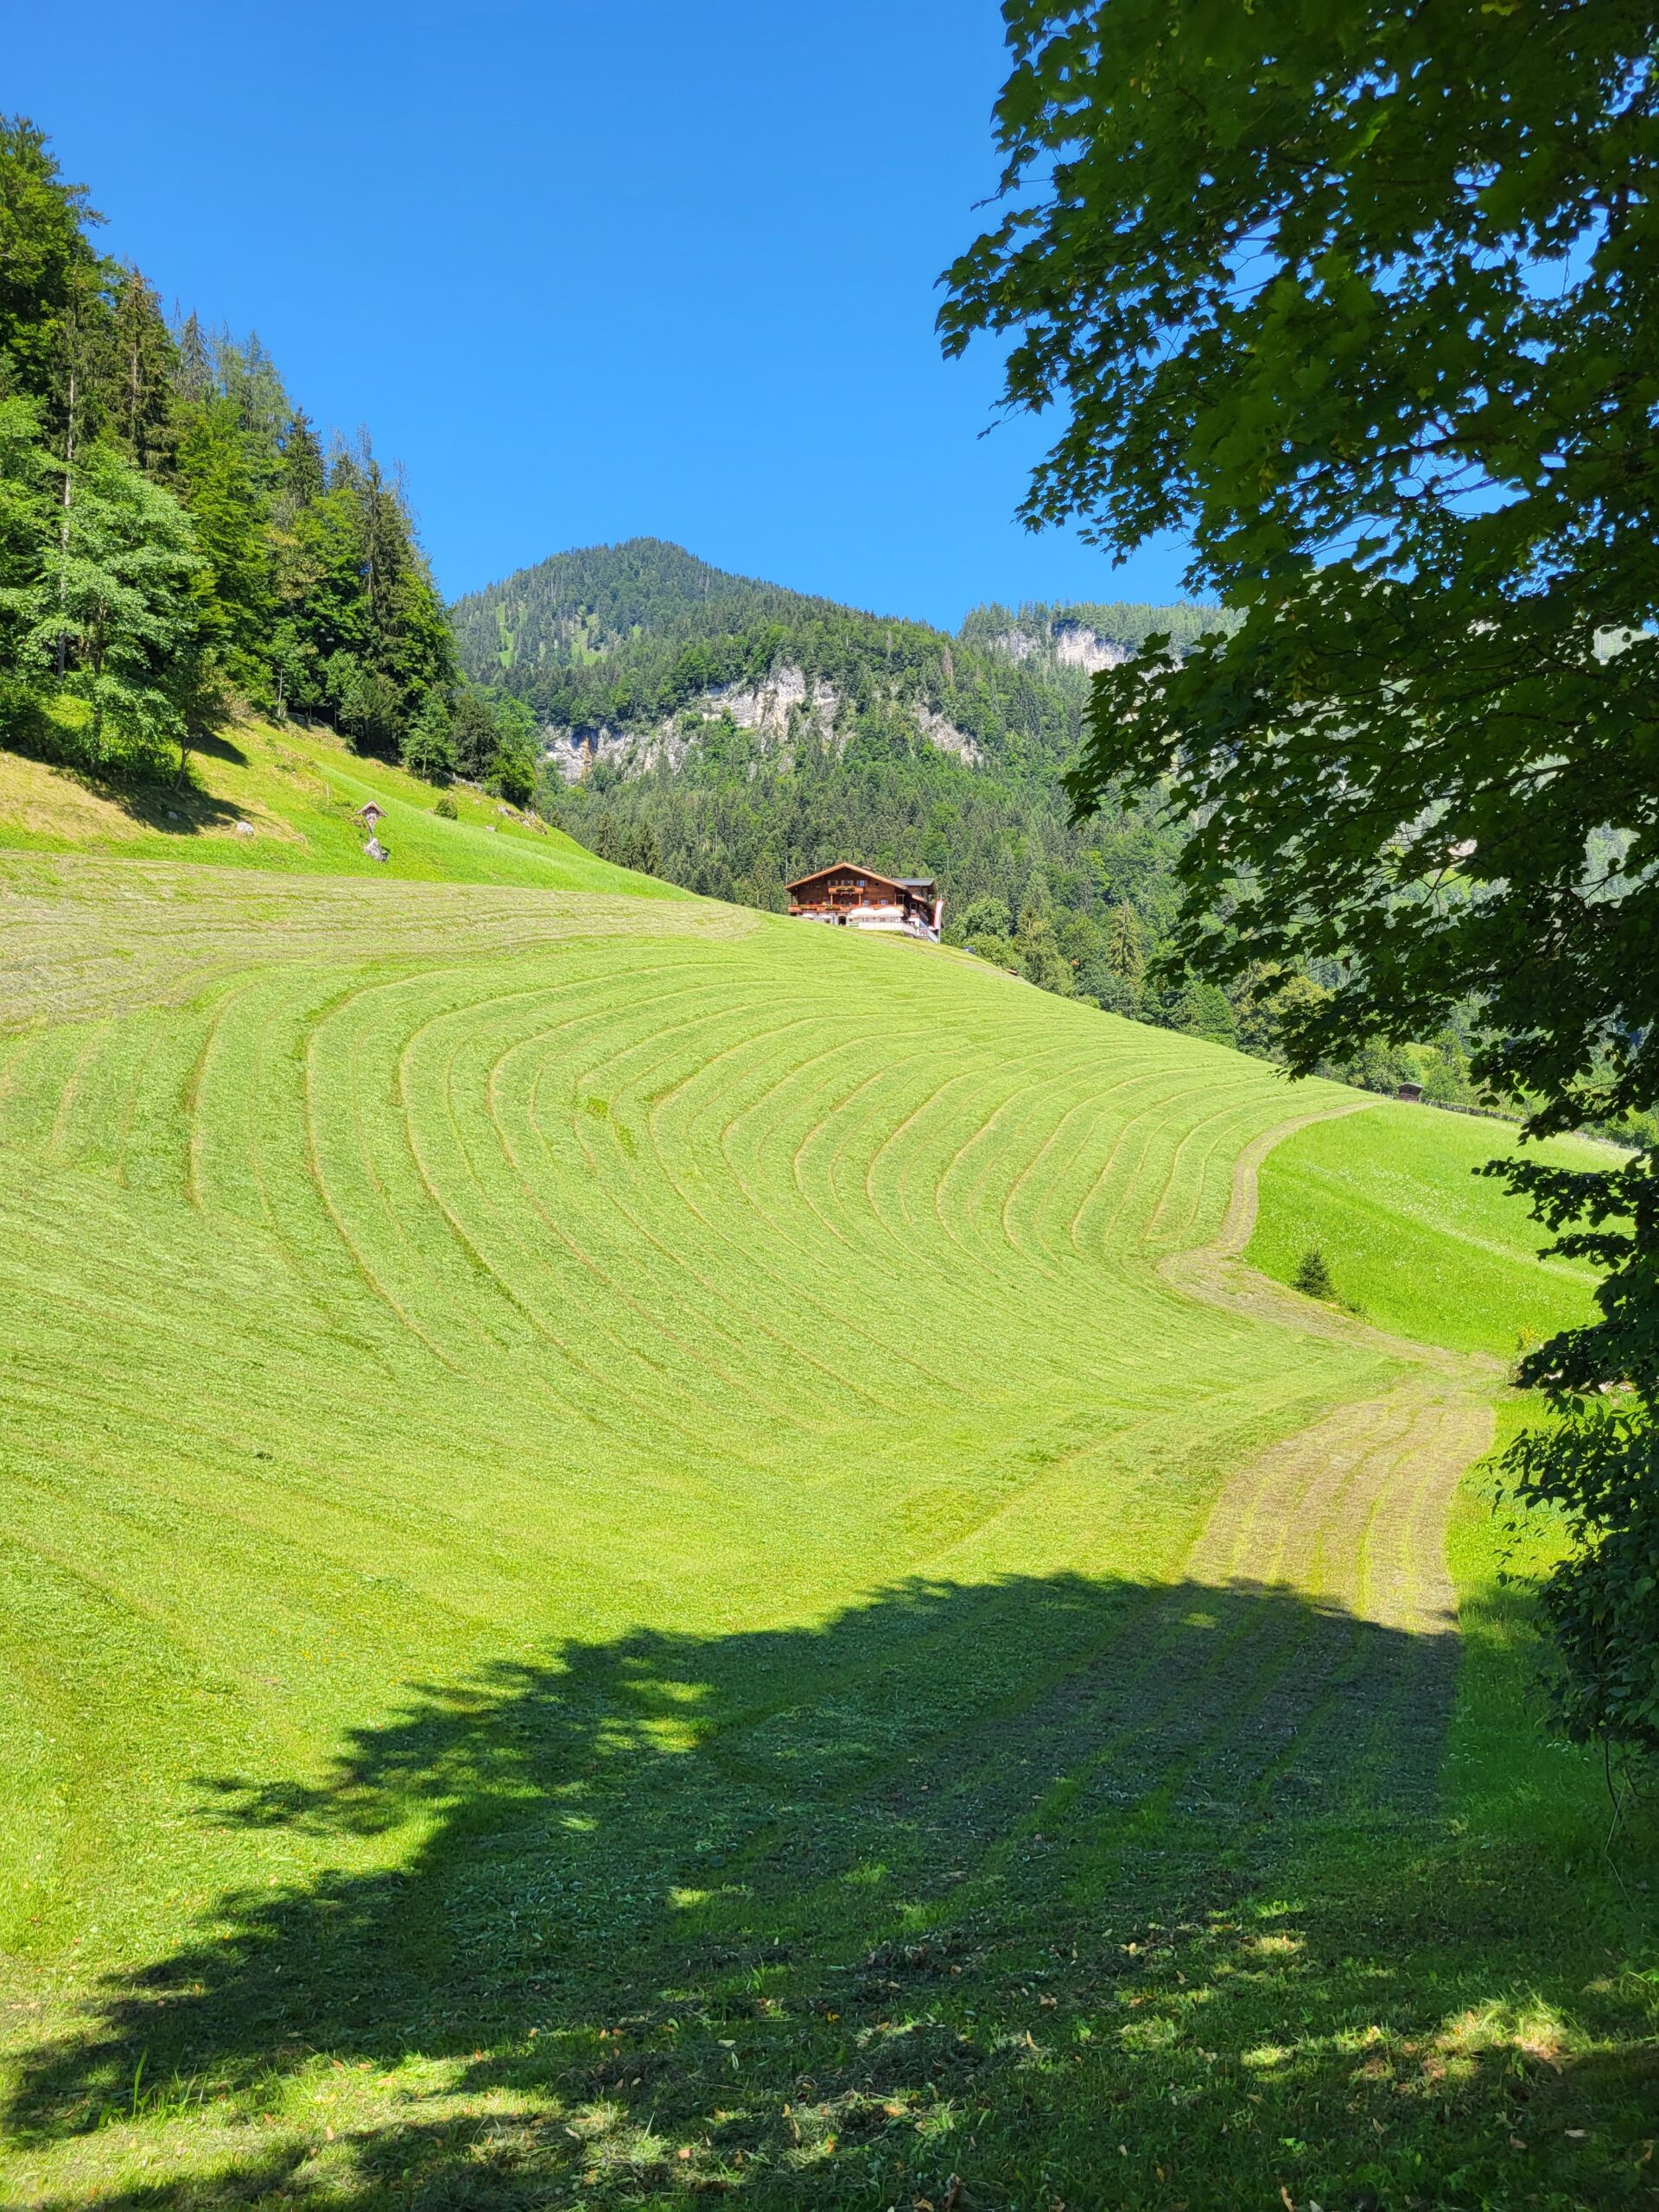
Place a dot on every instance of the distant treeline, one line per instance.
(1125, 623)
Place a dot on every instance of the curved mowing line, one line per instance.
(606, 1386)
(278, 1007)
(1091, 1109)
(319, 1182)
(696, 1355)
(979, 1132)
(832, 1315)
(485, 1265)
(97, 1037)
(740, 1188)
(1061, 1275)
(1143, 1165)
(989, 1251)
(750, 1320)
(1211, 1130)
(1009, 1135)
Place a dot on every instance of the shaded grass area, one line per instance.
(297, 791)
(1169, 1925)
(1413, 1237)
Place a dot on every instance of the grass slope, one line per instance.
(620, 1578)
(1415, 1237)
(297, 790)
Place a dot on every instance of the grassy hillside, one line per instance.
(1413, 1236)
(297, 790)
(622, 1579)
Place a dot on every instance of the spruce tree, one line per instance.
(221, 489)
(194, 374)
(142, 363)
(1124, 953)
(302, 472)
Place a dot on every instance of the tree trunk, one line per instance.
(63, 528)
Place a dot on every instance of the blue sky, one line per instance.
(593, 269)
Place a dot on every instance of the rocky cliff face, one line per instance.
(1075, 645)
(1062, 644)
(781, 707)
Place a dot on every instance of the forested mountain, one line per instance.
(612, 642)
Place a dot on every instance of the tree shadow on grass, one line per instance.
(167, 800)
(176, 806)
(974, 1882)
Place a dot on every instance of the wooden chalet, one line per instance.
(857, 898)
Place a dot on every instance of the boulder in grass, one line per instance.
(376, 850)
(245, 828)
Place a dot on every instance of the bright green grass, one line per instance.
(298, 791)
(1414, 1237)
(594, 1494)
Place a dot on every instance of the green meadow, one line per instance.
(1416, 1237)
(627, 1575)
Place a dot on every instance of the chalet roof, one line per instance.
(914, 883)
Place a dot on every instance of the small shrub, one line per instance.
(1312, 1275)
(447, 807)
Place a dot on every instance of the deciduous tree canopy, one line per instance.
(1365, 299)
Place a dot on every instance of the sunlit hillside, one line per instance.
(283, 795)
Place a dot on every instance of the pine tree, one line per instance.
(142, 362)
(1124, 951)
(221, 489)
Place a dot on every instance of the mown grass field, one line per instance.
(624, 1579)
